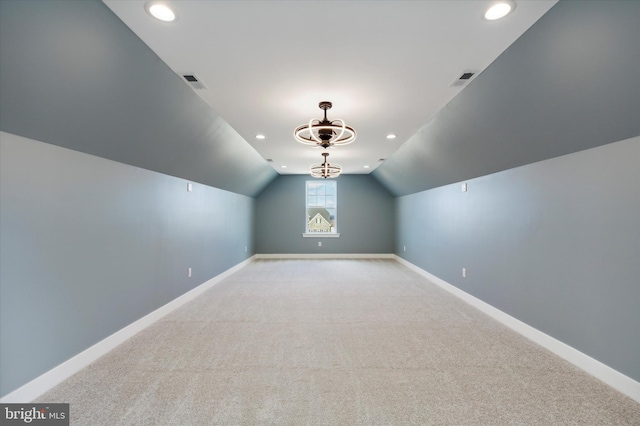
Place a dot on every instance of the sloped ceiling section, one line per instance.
(72, 74)
(567, 84)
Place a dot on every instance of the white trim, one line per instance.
(325, 256)
(53, 377)
(39, 385)
(321, 235)
(606, 374)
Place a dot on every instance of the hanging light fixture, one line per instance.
(325, 170)
(325, 133)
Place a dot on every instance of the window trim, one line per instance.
(308, 234)
(320, 234)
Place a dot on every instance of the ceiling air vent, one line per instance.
(463, 79)
(193, 81)
(269, 160)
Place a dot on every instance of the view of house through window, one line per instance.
(322, 204)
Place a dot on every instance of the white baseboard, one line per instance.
(326, 256)
(606, 374)
(53, 377)
(41, 384)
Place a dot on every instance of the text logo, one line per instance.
(34, 414)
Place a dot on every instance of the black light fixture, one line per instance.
(325, 170)
(325, 132)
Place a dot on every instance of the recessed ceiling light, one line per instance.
(260, 136)
(160, 11)
(366, 167)
(283, 167)
(391, 136)
(499, 10)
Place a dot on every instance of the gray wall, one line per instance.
(365, 217)
(73, 74)
(567, 84)
(555, 244)
(90, 245)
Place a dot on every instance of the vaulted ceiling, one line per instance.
(387, 66)
(105, 78)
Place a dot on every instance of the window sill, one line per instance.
(321, 235)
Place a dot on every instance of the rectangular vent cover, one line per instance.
(463, 79)
(193, 81)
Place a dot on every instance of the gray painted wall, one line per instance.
(555, 244)
(73, 74)
(365, 217)
(90, 245)
(567, 84)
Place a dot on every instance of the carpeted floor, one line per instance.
(334, 342)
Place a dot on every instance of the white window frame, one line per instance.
(308, 234)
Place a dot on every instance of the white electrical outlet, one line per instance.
(189, 273)
(464, 272)
(319, 243)
(245, 249)
(464, 187)
(189, 187)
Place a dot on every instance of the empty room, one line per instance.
(320, 212)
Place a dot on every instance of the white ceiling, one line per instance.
(387, 66)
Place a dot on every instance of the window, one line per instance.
(321, 208)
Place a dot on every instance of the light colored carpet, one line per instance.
(334, 342)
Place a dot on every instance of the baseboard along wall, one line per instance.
(41, 384)
(32, 390)
(326, 256)
(602, 372)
